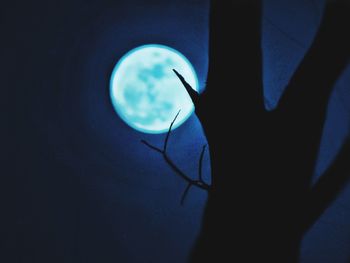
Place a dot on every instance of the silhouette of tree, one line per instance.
(261, 201)
(200, 183)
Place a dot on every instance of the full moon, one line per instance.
(146, 93)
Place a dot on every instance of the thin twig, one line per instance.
(190, 182)
(184, 194)
(169, 131)
(151, 146)
(200, 166)
(177, 170)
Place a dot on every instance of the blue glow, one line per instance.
(146, 93)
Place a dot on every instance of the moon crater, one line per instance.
(145, 92)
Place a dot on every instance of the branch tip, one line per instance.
(201, 163)
(184, 194)
(191, 92)
(190, 182)
(169, 131)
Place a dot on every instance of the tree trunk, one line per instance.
(262, 162)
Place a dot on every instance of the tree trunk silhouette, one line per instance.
(261, 201)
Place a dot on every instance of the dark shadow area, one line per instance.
(78, 186)
(261, 201)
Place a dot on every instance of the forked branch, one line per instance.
(200, 183)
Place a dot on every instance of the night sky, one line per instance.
(77, 185)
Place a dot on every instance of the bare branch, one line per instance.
(177, 170)
(185, 193)
(190, 182)
(191, 92)
(151, 146)
(201, 163)
(169, 131)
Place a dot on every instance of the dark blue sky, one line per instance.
(78, 186)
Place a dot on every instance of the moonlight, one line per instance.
(146, 93)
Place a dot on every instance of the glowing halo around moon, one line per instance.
(146, 93)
